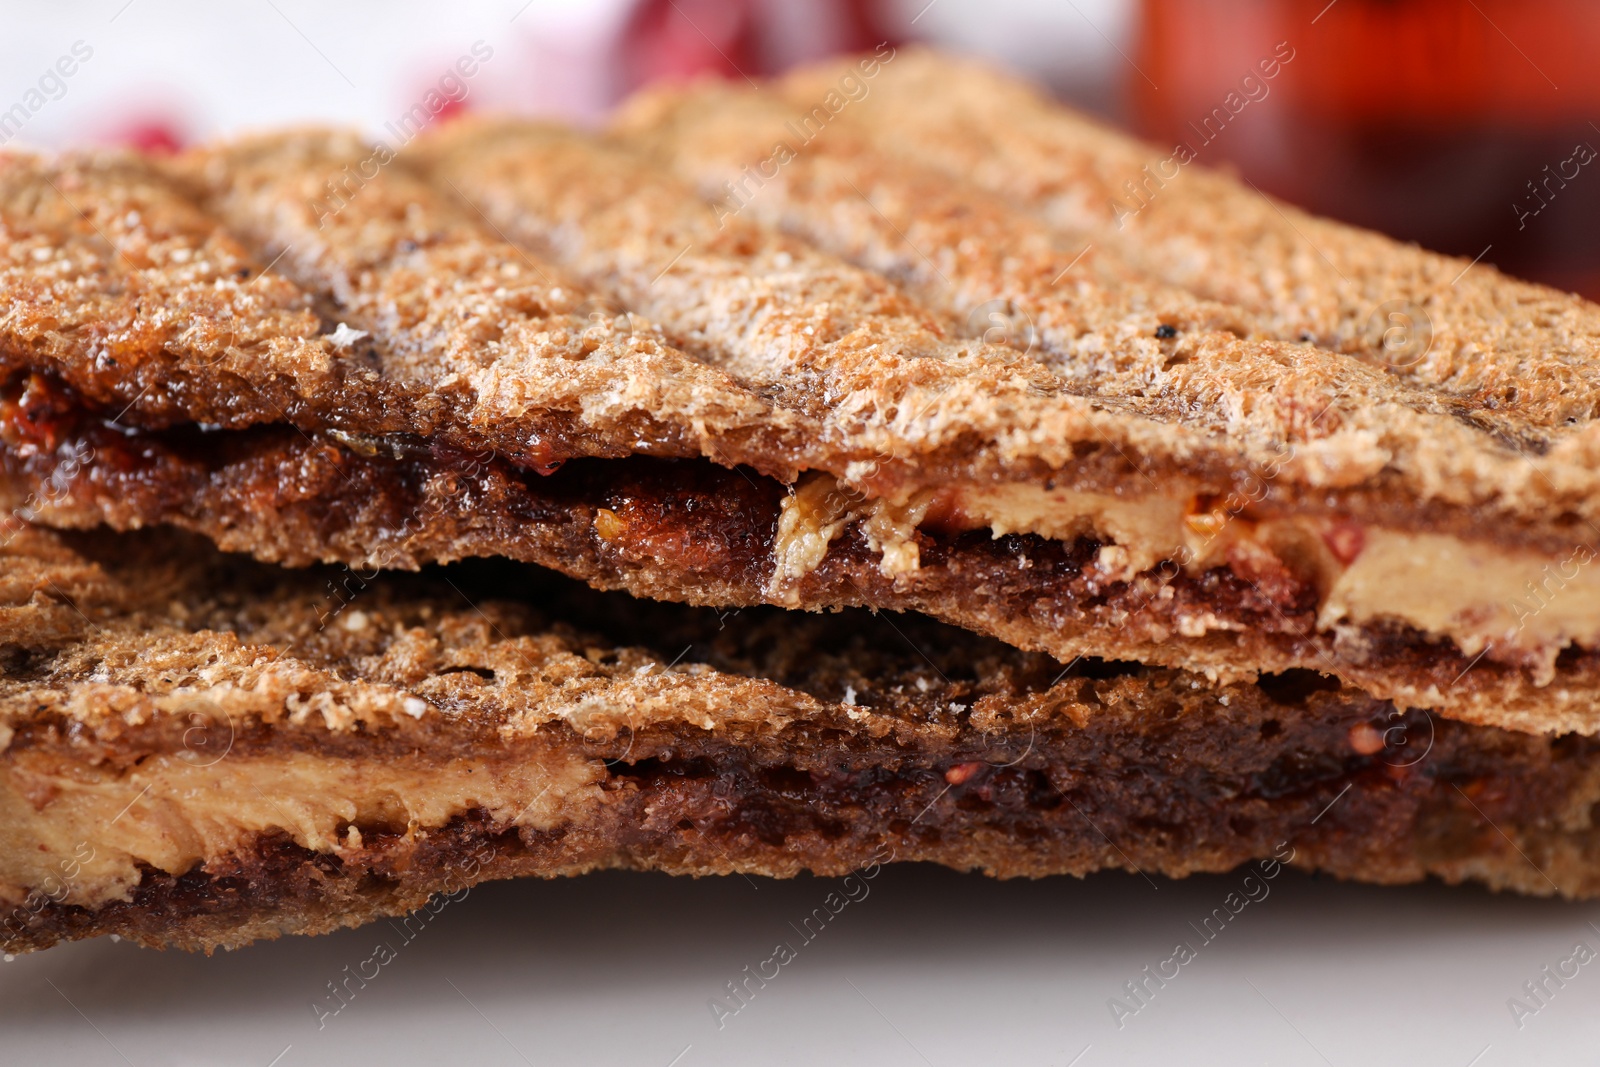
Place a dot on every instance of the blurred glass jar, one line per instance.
(1464, 125)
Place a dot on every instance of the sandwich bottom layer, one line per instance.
(198, 751)
(1165, 782)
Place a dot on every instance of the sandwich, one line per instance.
(892, 489)
(198, 750)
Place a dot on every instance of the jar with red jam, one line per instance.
(1468, 126)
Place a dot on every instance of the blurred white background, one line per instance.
(200, 69)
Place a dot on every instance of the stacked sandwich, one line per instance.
(880, 463)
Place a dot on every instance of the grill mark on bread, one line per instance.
(133, 295)
(1211, 235)
(757, 301)
(1322, 401)
(457, 312)
(959, 250)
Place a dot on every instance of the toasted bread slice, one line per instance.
(198, 750)
(529, 342)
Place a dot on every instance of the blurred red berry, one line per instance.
(675, 40)
(149, 135)
(452, 109)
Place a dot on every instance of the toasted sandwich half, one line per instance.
(197, 750)
(729, 356)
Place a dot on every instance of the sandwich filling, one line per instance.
(1044, 557)
(1524, 603)
(180, 810)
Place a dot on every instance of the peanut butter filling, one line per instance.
(80, 833)
(1474, 593)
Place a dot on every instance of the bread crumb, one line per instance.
(344, 336)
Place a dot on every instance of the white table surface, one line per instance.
(931, 967)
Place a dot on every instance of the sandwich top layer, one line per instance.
(919, 354)
(696, 531)
(197, 751)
